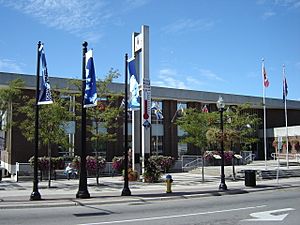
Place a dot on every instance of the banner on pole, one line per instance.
(90, 96)
(45, 96)
(134, 98)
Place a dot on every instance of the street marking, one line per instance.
(269, 215)
(173, 216)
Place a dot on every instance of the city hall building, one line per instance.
(165, 134)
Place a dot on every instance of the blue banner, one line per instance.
(45, 96)
(90, 96)
(134, 99)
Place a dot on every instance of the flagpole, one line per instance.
(286, 119)
(264, 104)
(83, 190)
(35, 195)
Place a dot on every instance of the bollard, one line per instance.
(169, 181)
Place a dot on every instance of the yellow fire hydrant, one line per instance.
(169, 181)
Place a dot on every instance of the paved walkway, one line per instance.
(185, 185)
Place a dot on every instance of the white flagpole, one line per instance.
(286, 120)
(264, 104)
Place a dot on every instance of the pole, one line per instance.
(286, 119)
(35, 195)
(264, 104)
(126, 191)
(83, 191)
(222, 185)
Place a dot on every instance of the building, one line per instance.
(164, 134)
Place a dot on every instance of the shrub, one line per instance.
(152, 171)
(117, 163)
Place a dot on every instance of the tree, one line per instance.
(241, 126)
(8, 97)
(52, 121)
(196, 123)
(103, 119)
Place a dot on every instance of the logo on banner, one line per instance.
(90, 96)
(45, 96)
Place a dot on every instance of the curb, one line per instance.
(44, 203)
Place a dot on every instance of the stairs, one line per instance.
(283, 173)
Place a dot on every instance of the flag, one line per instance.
(179, 112)
(285, 86)
(157, 111)
(45, 96)
(90, 96)
(134, 99)
(266, 81)
(204, 109)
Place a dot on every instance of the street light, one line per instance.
(221, 106)
(126, 191)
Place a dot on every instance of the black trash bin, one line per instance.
(250, 178)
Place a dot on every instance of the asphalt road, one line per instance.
(267, 207)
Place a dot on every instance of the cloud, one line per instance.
(133, 4)
(167, 78)
(76, 16)
(184, 25)
(210, 75)
(288, 3)
(268, 14)
(10, 65)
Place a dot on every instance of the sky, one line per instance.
(205, 45)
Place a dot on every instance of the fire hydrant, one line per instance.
(169, 181)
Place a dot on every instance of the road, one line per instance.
(266, 207)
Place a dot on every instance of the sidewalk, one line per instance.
(185, 185)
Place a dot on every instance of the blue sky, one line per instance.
(207, 45)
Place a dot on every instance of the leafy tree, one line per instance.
(52, 121)
(196, 123)
(9, 96)
(104, 117)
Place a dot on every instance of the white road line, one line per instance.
(172, 216)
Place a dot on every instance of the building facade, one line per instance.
(165, 135)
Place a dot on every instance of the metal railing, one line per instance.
(291, 156)
(249, 158)
(193, 164)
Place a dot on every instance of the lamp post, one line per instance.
(83, 190)
(126, 191)
(221, 106)
(35, 195)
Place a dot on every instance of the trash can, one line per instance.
(250, 178)
(0, 173)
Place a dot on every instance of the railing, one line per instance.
(249, 158)
(291, 156)
(193, 164)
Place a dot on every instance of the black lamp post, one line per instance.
(221, 106)
(83, 190)
(126, 191)
(35, 195)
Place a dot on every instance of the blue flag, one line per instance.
(285, 89)
(157, 111)
(90, 96)
(134, 99)
(45, 96)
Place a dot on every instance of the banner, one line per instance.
(90, 96)
(134, 98)
(45, 96)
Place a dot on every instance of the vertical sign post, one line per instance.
(141, 123)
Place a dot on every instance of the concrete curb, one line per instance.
(134, 199)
